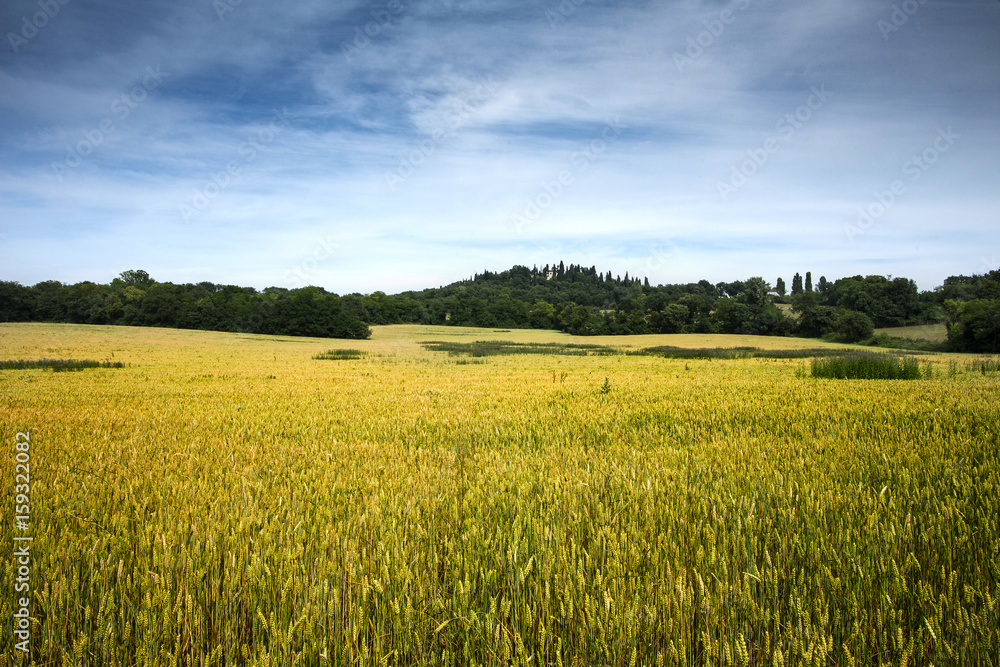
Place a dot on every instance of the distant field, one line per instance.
(410, 334)
(231, 499)
(936, 333)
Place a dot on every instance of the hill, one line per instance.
(570, 298)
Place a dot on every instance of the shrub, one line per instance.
(489, 348)
(984, 365)
(58, 365)
(341, 355)
(863, 366)
(671, 352)
(854, 326)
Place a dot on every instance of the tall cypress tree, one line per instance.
(823, 285)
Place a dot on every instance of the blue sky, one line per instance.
(402, 144)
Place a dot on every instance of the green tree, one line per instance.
(135, 278)
(754, 292)
(733, 317)
(15, 302)
(672, 319)
(542, 315)
(311, 311)
(633, 300)
(823, 287)
(814, 320)
(732, 289)
(84, 301)
(974, 326)
(779, 287)
(160, 306)
(49, 301)
(888, 303)
(854, 327)
(700, 307)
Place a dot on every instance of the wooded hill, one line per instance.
(570, 298)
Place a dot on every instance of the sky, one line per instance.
(402, 144)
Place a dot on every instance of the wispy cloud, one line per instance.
(398, 154)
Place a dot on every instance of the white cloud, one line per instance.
(412, 101)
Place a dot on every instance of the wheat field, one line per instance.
(228, 499)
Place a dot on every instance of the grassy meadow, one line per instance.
(936, 333)
(229, 499)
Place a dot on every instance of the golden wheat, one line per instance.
(229, 500)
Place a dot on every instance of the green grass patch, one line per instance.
(983, 365)
(491, 348)
(341, 355)
(864, 366)
(904, 343)
(488, 348)
(58, 365)
(670, 352)
(934, 333)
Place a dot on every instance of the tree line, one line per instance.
(135, 299)
(571, 298)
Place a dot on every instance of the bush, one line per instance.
(489, 348)
(984, 365)
(854, 327)
(974, 326)
(58, 365)
(865, 366)
(671, 352)
(340, 355)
